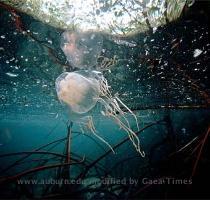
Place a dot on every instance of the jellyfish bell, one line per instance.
(81, 48)
(82, 90)
(79, 92)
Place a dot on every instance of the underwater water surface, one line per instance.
(135, 127)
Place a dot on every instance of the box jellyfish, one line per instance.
(82, 90)
(81, 49)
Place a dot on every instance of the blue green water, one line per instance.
(159, 78)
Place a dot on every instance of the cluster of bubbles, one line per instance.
(82, 90)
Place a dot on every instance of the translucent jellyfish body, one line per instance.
(82, 90)
(81, 49)
(77, 91)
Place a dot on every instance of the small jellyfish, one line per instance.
(81, 49)
(82, 90)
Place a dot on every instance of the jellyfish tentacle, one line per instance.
(124, 127)
(90, 124)
(105, 104)
(111, 106)
(104, 88)
(93, 130)
(132, 135)
(105, 92)
(117, 107)
(111, 110)
(128, 111)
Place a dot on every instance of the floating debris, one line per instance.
(197, 53)
(11, 74)
(126, 43)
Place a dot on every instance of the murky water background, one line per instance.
(163, 76)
